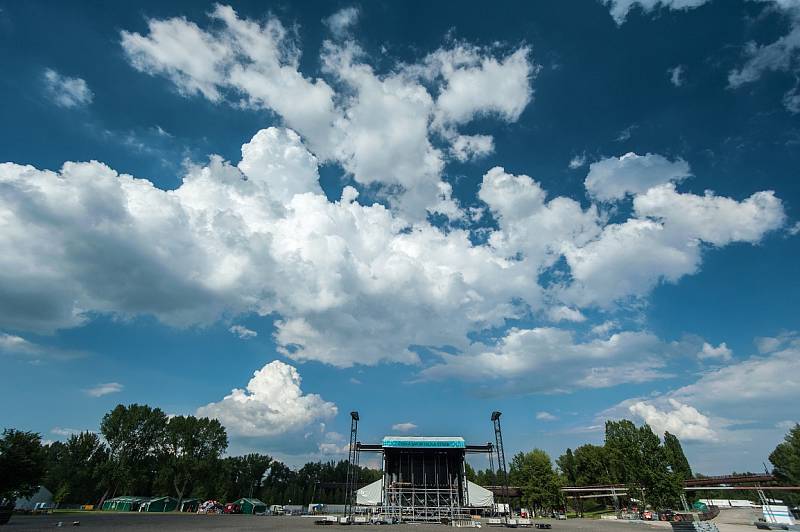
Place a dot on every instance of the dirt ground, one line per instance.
(192, 522)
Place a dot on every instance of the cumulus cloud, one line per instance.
(721, 352)
(615, 177)
(475, 85)
(663, 241)
(243, 332)
(682, 420)
(261, 237)
(404, 427)
(740, 404)
(104, 389)
(377, 127)
(272, 404)
(66, 91)
(522, 361)
(545, 416)
(620, 8)
(756, 387)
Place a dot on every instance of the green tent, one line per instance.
(160, 504)
(124, 503)
(190, 505)
(251, 506)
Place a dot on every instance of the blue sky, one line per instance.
(565, 211)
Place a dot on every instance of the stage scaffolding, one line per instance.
(424, 479)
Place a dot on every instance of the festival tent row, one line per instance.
(130, 503)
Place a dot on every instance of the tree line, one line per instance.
(652, 470)
(142, 451)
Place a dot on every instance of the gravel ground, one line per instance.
(192, 522)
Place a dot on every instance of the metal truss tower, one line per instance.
(352, 467)
(501, 459)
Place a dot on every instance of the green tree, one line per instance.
(533, 472)
(622, 450)
(469, 472)
(591, 465)
(786, 459)
(22, 464)
(637, 459)
(661, 488)
(191, 448)
(675, 457)
(568, 466)
(135, 435)
(75, 467)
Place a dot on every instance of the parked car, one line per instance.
(232, 508)
(670, 515)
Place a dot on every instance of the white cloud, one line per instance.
(273, 404)
(562, 313)
(243, 332)
(404, 427)
(794, 229)
(66, 91)
(476, 85)
(523, 361)
(577, 161)
(469, 147)
(682, 420)
(760, 387)
(104, 389)
(261, 237)
(615, 177)
(340, 22)
(786, 424)
(378, 127)
(743, 403)
(721, 352)
(663, 242)
(770, 344)
(620, 8)
(17, 346)
(604, 328)
(677, 75)
(779, 55)
(545, 416)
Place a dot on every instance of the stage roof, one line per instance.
(424, 442)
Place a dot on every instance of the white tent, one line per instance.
(479, 497)
(370, 495)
